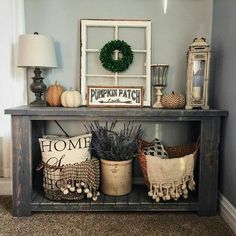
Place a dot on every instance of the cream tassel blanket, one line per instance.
(170, 178)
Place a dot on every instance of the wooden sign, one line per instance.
(105, 96)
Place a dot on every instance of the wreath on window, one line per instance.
(107, 56)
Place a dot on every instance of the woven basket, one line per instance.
(173, 152)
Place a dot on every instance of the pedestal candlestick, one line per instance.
(158, 96)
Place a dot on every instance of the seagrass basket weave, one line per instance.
(173, 152)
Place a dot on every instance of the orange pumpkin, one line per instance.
(53, 94)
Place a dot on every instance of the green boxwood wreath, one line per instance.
(121, 64)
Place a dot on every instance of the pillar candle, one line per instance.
(196, 92)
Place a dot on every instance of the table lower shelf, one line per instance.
(137, 200)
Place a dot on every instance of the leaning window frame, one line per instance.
(85, 23)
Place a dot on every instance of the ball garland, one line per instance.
(121, 64)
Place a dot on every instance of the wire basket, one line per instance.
(52, 184)
(71, 182)
(173, 152)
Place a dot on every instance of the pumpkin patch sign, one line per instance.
(115, 96)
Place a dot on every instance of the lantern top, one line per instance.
(199, 43)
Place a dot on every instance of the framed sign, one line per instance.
(115, 96)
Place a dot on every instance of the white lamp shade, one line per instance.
(36, 50)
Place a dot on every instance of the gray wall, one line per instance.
(172, 33)
(224, 58)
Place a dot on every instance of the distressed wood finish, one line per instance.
(79, 113)
(208, 176)
(28, 125)
(37, 131)
(22, 171)
(112, 93)
(137, 200)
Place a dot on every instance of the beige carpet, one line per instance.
(136, 223)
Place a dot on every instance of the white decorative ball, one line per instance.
(86, 190)
(150, 193)
(95, 198)
(65, 191)
(79, 190)
(72, 189)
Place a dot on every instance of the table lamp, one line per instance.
(37, 51)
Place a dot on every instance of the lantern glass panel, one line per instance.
(198, 78)
(159, 75)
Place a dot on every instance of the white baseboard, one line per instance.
(5, 186)
(227, 211)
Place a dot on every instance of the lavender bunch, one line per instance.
(114, 145)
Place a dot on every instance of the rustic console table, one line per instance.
(28, 124)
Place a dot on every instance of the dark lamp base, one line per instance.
(38, 88)
(40, 103)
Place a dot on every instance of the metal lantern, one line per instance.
(198, 74)
(159, 77)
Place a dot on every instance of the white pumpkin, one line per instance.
(71, 98)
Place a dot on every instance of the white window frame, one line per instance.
(116, 24)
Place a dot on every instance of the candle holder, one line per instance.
(159, 77)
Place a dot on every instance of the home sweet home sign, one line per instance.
(115, 96)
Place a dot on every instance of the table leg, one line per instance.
(21, 155)
(208, 176)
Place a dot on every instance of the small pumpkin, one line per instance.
(71, 98)
(173, 100)
(53, 94)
